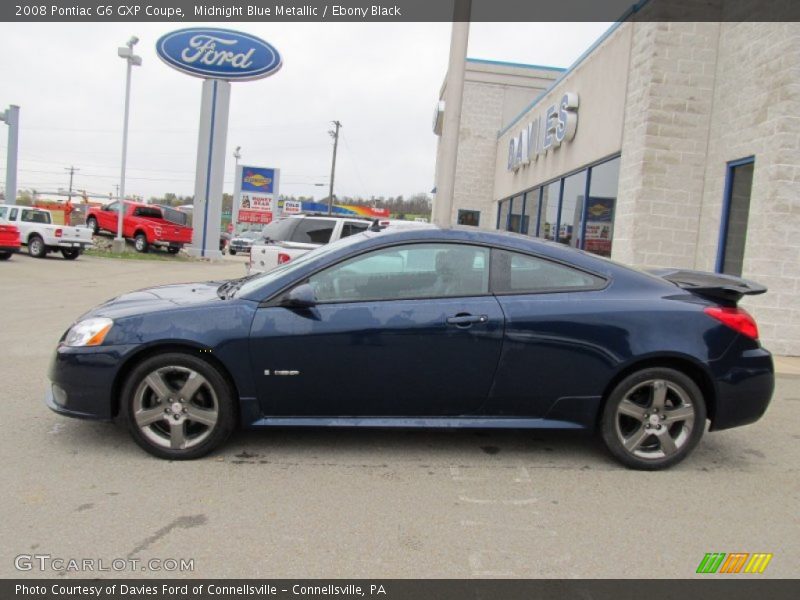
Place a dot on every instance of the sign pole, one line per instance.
(208, 183)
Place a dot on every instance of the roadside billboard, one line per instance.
(256, 194)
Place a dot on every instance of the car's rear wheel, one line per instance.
(653, 418)
(36, 247)
(173, 249)
(5, 255)
(71, 253)
(91, 223)
(231, 251)
(140, 242)
(178, 406)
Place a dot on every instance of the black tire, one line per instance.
(70, 253)
(5, 255)
(231, 251)
(140, 243)
(645, 411)
(36, 247)
(91, 223)
(157, 437)
(173, 249)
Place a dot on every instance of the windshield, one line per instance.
(263, 279)
(250, 235)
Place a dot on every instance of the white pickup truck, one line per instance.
(38, 232)
(293, 236)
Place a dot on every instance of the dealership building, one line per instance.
(665, 144)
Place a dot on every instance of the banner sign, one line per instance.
(256, 194)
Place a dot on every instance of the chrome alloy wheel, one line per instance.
(655, 419)
(175, 407)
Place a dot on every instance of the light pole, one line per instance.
(234, 204)
(132, 60)
(11, 117)
(335, 135)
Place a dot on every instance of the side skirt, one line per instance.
(417, 422)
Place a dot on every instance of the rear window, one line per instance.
(353, 227)
(280, 230)
(314, 231)
(175, 216)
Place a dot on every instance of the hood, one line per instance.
(159, 298)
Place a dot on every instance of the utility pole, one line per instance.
(71, 174)
(335, 135)
(11, 118)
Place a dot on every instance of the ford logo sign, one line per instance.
(218, 54)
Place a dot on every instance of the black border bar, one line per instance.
(190, 11)
(711, 587)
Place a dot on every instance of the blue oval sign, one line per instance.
(218, 54)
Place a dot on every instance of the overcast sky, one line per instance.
(380, 80)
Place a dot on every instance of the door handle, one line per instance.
(466, 320)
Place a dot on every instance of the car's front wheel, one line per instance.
(5, 255)
(653, 418)
(178, 406)
(91, 223)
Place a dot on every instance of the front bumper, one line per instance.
(82, 381)
(745, 381)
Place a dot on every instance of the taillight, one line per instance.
(283, 258)
(59, 232)
(736, 318)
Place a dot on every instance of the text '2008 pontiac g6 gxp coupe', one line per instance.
(425, 328)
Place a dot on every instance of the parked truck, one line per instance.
(147, 225)
(41, 236)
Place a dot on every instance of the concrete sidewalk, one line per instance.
(787, 365)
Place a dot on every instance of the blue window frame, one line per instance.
(735, 215)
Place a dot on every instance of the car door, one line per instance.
(107, 217)
(558, 350)
(408, 330)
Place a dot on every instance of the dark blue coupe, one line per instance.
(425, 328)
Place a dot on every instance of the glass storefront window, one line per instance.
(570, 221)
(736, 213)
(601, 207)
(549, 212)
(515, 218)
(502, 219)
(531, 218)
(469, 217)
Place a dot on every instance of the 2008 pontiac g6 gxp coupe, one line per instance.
(425, 328)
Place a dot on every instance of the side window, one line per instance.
(519, 273)
(314, 231)
(13, 214)
(35, 216)
(3, 211)
(351, 228)
(404, 272)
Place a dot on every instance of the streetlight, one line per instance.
(234, 205)
(132, 60)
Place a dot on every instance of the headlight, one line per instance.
(90, 332)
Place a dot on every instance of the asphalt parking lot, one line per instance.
(350, 503)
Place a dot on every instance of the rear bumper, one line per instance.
(83, 244)
(745, 381)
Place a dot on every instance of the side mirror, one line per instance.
(303, 296)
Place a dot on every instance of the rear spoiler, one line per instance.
(715, 286)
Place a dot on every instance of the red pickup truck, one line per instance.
(9, 240)
(146, 224)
